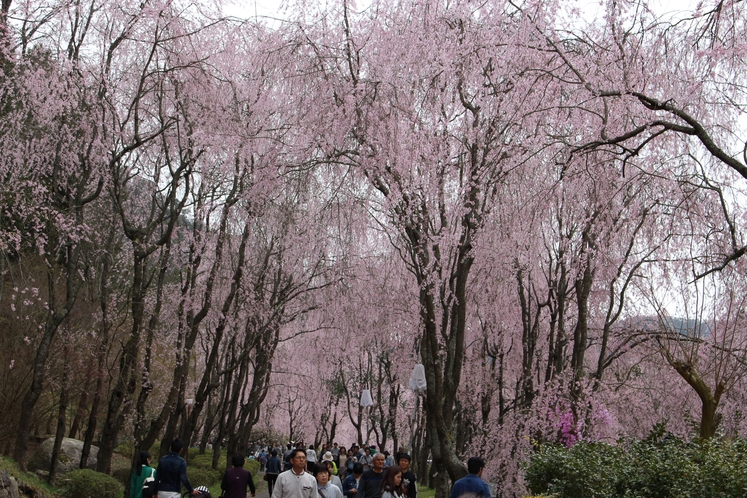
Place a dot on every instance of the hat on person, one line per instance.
(327, 457)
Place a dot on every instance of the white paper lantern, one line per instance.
(366, 399)
(417, 379)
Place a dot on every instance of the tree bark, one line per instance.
(709, 418)
(55, 316)
(61, 423)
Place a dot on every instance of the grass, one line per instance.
(29, 479)
(424, 492)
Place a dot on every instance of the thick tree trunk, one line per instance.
(709, 418)
(92, 418)
(80, 414)
(443, 368)
(61, 424)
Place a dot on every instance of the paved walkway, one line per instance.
(262, 486)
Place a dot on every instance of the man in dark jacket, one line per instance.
(409, 480)
(273, 470)
(237, 479)
(172, 473)
(370, 483)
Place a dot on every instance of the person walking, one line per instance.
(366, 460)
(138, 477)
(333, 479)
(350, 461)
(274, 467)
(351, 482)
(327, 457)
(172, 473)
(342, 465)
(370, 485)
(286, 457)
(391, 484)
(311, 457)
(409, 480)
(324, 487)
(472, 484)
(237, 479)
(295, 483)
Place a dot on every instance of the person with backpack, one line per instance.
(143, 472)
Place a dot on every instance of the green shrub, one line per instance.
(653, 468)
(200, 461)
(86, 483)
(204, 477)
(586, 470)
(252, 466)
(122, 475)
(205, 461)
(126, 448)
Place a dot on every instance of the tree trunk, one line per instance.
(709, 418)
(581, 332)
(101, 357)
(61, 423)
(80, 414)
(120, 399)
(54, 319)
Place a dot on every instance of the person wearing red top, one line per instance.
(237, 479)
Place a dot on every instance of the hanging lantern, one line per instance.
(417, 379)
(366, 399)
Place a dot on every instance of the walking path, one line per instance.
(262, 486)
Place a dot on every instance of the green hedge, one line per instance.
(252, 466)
(653, 468)
(87, 483)
(204, 477)
(122, 474)
(205, 461)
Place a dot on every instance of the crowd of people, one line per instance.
(354, 473)
(300, 472)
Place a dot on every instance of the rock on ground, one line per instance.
(69, 459)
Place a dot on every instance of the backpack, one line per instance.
(150, 486)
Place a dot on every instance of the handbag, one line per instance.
(150, 486)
